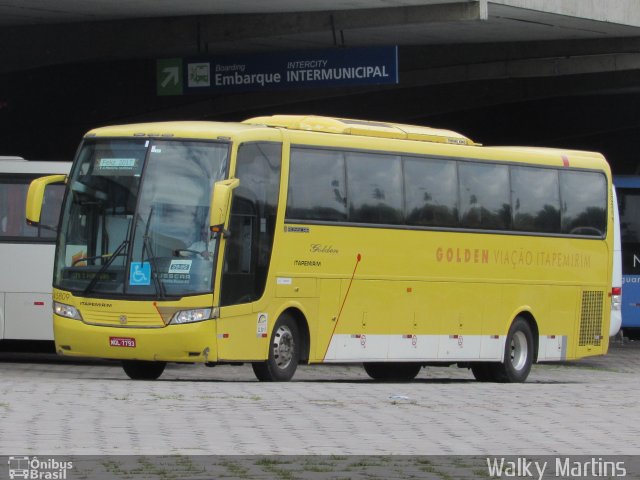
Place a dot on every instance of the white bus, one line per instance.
(26, 252)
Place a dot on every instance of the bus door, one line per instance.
(243, 322)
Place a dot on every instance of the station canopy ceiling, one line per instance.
(303, 24)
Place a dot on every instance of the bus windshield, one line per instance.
(136, 218)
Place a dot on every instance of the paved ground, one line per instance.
(58, 407)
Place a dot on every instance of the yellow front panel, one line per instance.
(194, 342)
(144, 324)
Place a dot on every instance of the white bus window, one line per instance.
(13, 194)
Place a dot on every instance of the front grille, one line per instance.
(114, 319)
(591, 318)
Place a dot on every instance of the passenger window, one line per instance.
(13, 194)
(629, 204)
(484, 196)
(584, 203)
(431, 191)
(375, 190)
(535, 197)
(317, 188)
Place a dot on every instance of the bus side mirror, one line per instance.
(220, 200)
(35, 196)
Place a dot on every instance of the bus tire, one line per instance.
(388, 371)
(518, 354)
(143, 370)
(482, 371)
(284, 352)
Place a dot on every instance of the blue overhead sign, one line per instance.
(283, 70)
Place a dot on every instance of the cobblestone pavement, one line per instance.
(61, 407)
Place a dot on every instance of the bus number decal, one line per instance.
(61, 296)
(180, 266)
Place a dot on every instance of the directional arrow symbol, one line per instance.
(171, 76)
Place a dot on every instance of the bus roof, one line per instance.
(35, 167)
(365, 128)
(444, 139)
(178, 129)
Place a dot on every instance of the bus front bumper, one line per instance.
(193, 342)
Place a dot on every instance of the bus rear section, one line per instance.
(27, 251)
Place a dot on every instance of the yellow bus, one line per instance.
(301, 239)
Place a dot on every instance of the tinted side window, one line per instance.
(584, 203)
(629, 205)
(484, 196)
(13, 194)
(317, 189)
(374, 185)
(431, 192)
(535, 199)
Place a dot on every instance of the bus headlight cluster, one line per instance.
(191, 316)
(66, 311)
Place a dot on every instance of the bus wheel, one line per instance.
(518, 354)
(392, 371)
(482, 372)
(284, 352)
(142, 370)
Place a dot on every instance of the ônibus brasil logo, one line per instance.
(32, 468)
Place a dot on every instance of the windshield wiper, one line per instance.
(146, 246)
(104, 267)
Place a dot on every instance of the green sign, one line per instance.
(169, 76)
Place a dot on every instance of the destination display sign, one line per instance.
(282, 70)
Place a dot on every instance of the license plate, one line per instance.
(122, 342)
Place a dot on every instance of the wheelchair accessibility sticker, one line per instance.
(140, 273)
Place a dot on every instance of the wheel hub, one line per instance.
(519, 351)
(283, 347)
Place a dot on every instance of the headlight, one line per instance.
(191, 316)
(66, 311)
